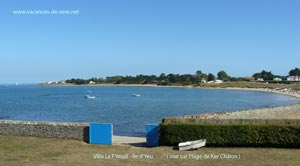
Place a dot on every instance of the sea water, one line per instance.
(118, 106)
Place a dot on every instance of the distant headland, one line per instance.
(264, 81)
(197, 79)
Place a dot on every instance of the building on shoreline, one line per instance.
(251, 79)
(277, 79)
(293, 78)
(260, 80)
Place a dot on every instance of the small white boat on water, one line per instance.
(189, 145)
(136, 95)
(89, 97)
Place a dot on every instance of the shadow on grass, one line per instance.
(139, 144)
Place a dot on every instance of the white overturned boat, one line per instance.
(89, 97)
(189, 145)
(136, 95)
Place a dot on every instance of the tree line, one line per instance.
(179, 79)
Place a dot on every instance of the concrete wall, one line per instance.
(78, 131)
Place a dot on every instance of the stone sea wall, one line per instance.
(230, 121)
(77, 131)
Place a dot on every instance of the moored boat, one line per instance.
(89, 97)
(189, 145)
(136, 95)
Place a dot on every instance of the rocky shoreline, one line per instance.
(281, 112)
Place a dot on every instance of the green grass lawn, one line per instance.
(18, 150)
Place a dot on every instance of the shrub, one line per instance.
(233, 135)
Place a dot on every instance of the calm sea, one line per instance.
(116, 105)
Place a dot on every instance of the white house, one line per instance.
(260, 79)
(215, 81)
(277, 79)
(219, 81)
(293, 78)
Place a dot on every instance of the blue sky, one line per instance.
(129, 37)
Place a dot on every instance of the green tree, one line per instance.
(294, 72)
(114, 79)
(211, 77)
(222, 75)
(96, 80)
(77, 81)
(264, 74)
(198, 72)
(256, 75)
(162, 76)
(172, 78)
(186, 79)
(267, 75)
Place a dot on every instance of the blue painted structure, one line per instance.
(101, 133)
(152, 135)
